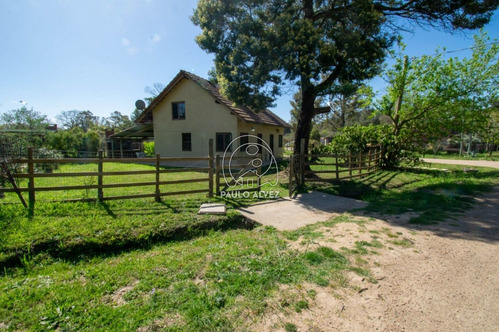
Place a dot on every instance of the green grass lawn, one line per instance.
(141, 264)
(433, 194)
(137, 264)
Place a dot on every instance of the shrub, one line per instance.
(149, 149)
(355, 139)
(45, 153)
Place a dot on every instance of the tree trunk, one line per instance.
(304, 126)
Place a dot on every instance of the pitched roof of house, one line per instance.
(243, 112)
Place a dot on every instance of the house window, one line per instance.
(243, 141)
(280, 141)
(222, 141)
(186, 141)
(179, 111)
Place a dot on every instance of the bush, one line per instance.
(45, 153)
(149, 149)
(355, 139)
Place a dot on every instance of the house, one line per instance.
(191, 110)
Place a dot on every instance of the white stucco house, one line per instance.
(191, 110)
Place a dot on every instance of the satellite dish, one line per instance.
(140, 104)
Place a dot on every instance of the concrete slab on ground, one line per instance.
(287, 214)
(212, 209)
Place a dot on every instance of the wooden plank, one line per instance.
(336, 168)
(31, 181)
(217, 173)
(211, 167)
(12, 181)
(100, 193)
(180, 170)
(319, 172)
(157, 182)
(111, 160)
(185, 159)
(173, 193)
(110, 198)
(184, 181)
(320, 164)
(74, 174)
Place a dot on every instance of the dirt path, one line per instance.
(438, 278)
(474, 163)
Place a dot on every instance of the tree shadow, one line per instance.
(78, 250)
(438, 206)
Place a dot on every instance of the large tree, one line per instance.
(78, 119)
(25, 119)
(259, 45)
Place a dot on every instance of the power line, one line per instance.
(452, 51)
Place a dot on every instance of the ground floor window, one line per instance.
(222, 141)
(280, 141)
(243, 141)
(186, 141)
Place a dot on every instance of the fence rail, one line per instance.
(29, 164)
(336, 168)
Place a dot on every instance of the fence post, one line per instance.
(337, 168)
(360, 163)
(211, 167)
(217, 174)
(370, 160)
(302, 162)
(259, 172)
(100, 194)
(350, 164)
(31, 182)
(291, 176)
(157, 189)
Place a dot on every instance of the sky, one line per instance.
(99, 55)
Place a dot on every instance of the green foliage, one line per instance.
(78, 119)
(355, 139)
(73, 141)
(261, 48)
(149, 149)
(430, 97)
(23, 119)
(44, 153)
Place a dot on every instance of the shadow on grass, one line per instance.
(430, 196)
(76, 249)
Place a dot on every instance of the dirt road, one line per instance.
(473, 163)
(437, 278)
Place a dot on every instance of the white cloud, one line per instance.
(125, 42)
(156, 38)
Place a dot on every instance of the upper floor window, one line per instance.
(179, 111)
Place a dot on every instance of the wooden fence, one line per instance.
(333, 168)
(244, 172)
(101, 175)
